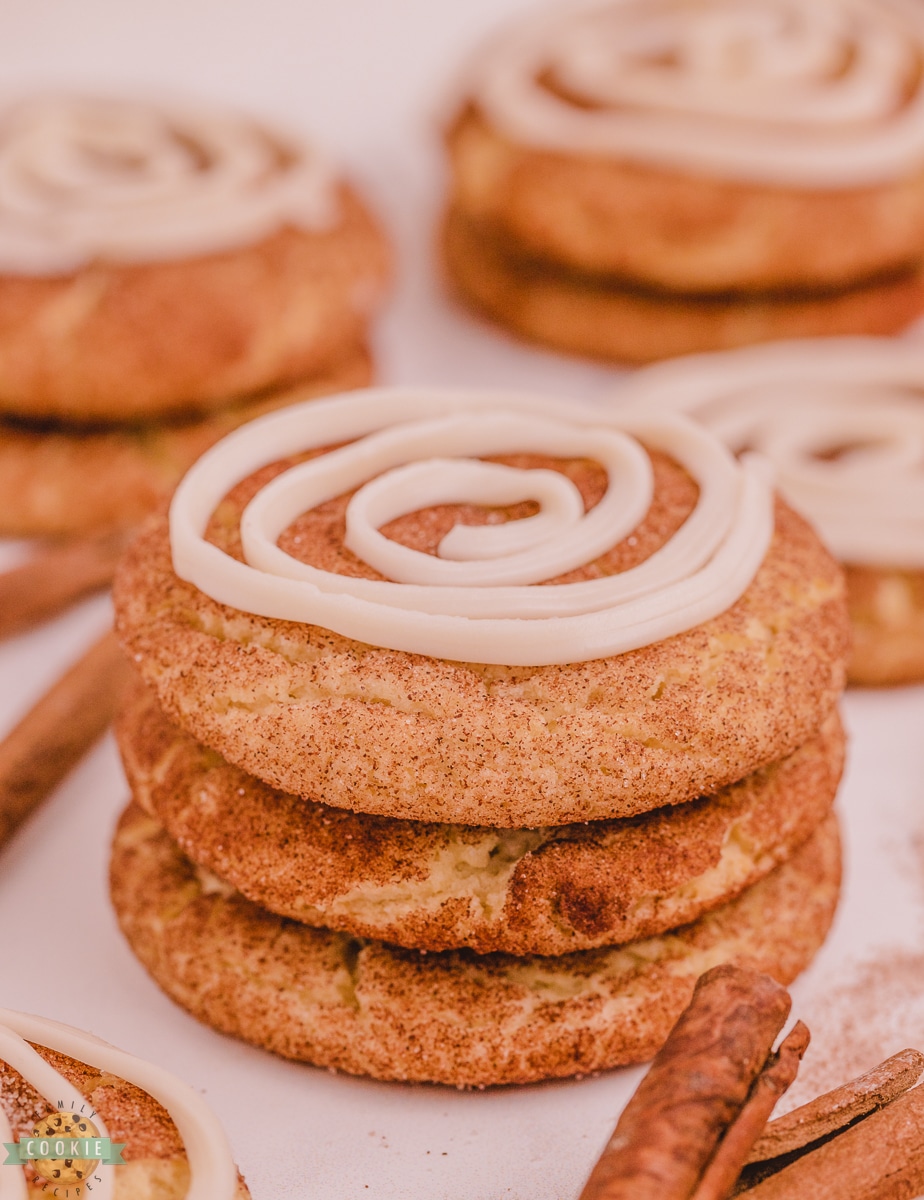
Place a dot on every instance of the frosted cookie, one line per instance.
(455, 1018)
(842, 420)
(162, 259)
(434, 887)
(58, 1082)
(58, 480)
(755, 155)
(657, 630)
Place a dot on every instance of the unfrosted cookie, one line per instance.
(58, 480)
(887, 616)
(158, 259)
(415, 736)
(56, 1082)
(434, 887)
(454, 1017)
(610, 319)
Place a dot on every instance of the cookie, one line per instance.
(634, 182)
(887, 617)
(58, 480)
(611, 320)
(58, 1082)
(158, 260)
(455, 1017)
(842, 420)
(434, 887)
(624, 713)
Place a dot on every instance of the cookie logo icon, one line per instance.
(74, 1130)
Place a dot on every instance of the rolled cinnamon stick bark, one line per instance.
(880, 1158)
(719, 1178)
(55, 578)
(696, 1086)
(54, 735)
(836, 1110)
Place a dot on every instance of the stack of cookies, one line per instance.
(166, 273)
(842, 421)
(472, 728)
(634, 181)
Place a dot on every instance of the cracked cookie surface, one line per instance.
(456, 1018)
(434, 886)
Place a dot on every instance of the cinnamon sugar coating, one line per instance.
(128, 342)
(606, 317)
(405, 735)
(455, 1018)
(156, 1167)
(59, 480)
(433, 887)
(675, 229)
(887, 615)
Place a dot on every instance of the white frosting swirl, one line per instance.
(825, 94)
(841, 419)
(84, 179)
(475, 600)
(213, 1175)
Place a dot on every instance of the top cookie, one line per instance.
(593, 734)
(163, 259)
(701, 147)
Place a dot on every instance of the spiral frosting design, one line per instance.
(841, 420)
(827, 94)
(124, 181)
(476, 599)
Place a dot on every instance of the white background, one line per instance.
(367, 78)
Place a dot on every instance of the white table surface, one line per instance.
(365, 78)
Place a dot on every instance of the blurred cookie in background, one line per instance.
(634, 181)
(842, 421)
(165, 274)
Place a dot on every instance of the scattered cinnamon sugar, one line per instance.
(862, 1018)
(870, 1009)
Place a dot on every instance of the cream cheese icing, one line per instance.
(213, 1175)
(841, 419)
(85, 178)
(824, 95)
(475, 600)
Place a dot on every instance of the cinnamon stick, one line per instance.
(719, 1178)
(54, 735)
(879, 1158)
(695, 1088)
(55, 578)
(839, 1108)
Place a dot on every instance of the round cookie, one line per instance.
(700, 148)
(434, 887)
(58, 480)
(173, 1145)
(842, 421)
(605, 318)
(407, 735)
(452, 1018)
(198, 258)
